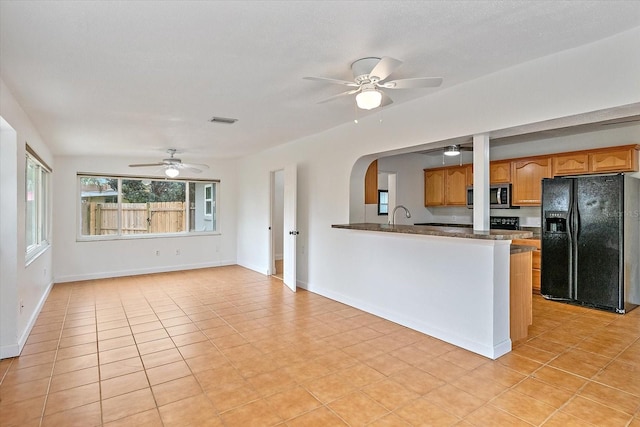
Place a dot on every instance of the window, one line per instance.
(132, 206)
(208, 200)
(36, 205)
(383, 202)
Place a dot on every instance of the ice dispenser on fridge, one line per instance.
(555, 221)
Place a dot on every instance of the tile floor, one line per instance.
(230, 347)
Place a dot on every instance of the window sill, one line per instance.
(146, 236)
(35, 253)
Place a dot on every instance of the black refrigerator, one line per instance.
(591, 241)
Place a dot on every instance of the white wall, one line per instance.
(80, 260)
(558, 86)
(31, 283)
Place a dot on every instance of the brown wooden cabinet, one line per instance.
(371, 184)
(535, 261)
(526, 176)
(500, 172)
(455, 193)
(570, 164)
(616, 159)
(434, 187)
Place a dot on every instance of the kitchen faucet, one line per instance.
(393, 215)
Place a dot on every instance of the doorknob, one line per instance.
(294, 233)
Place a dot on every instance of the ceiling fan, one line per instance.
(369, 85)
(173, 165)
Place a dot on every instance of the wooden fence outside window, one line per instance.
(137, 218)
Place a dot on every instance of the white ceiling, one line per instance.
(135, 78)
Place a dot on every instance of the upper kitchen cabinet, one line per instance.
(434, 187)
(616, 159)
(456, 181)
(526, 176)
(500, 172)
(447, 186)
(371, 184)
(571, 163)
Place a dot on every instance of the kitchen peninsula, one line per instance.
(451, 283)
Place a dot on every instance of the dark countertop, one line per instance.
(446, 231)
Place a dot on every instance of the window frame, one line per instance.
(380, 204)
(80, 237)
(42, 209)
(208, 201)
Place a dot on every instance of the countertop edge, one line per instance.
(456, 232)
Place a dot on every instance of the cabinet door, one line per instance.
(371, 184)
(469, 175)
(527, 175)
(456, 186)
(434, 187)
(500, 172)
(619, 159)
(570, 164)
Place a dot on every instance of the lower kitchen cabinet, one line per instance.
(520, 295)
(535, 261)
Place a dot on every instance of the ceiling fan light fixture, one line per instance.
(368, 99)
(172, 172)
(452, 150)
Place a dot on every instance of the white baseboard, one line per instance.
(14, 350)
(257, 269)
(138, 271)
(452, 338)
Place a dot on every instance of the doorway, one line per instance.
(277, 224)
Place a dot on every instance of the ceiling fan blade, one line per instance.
(192, 166)
(331, 98)
(385, 99)
(142, 165)
(192, 169)
(414, 83)
(384, 68)
(328, 80)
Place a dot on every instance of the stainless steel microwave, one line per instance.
(499, 196)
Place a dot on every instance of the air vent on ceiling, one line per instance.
(224, 120)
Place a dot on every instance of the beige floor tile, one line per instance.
(544, 392)
(256, 413)
(150, 418)
(523, 406)
(614, 398)
(320, 417)
(595, 413)
(72, 398)
(156, 345)
(163, 357)
(83, 416)
(168, 372)
(74, 379)
(123, 384)
(196, 411)
(356, 408)
(422, 412)
(17, 392)
(126, 405)
(292, 402)
(174, 390)
(390, 394)
(23, 412)
(489, 415)
(121, 367)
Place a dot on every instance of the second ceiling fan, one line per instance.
(369, 85)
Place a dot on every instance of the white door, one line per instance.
(290, 229)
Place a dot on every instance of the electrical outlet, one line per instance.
(157, 253)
